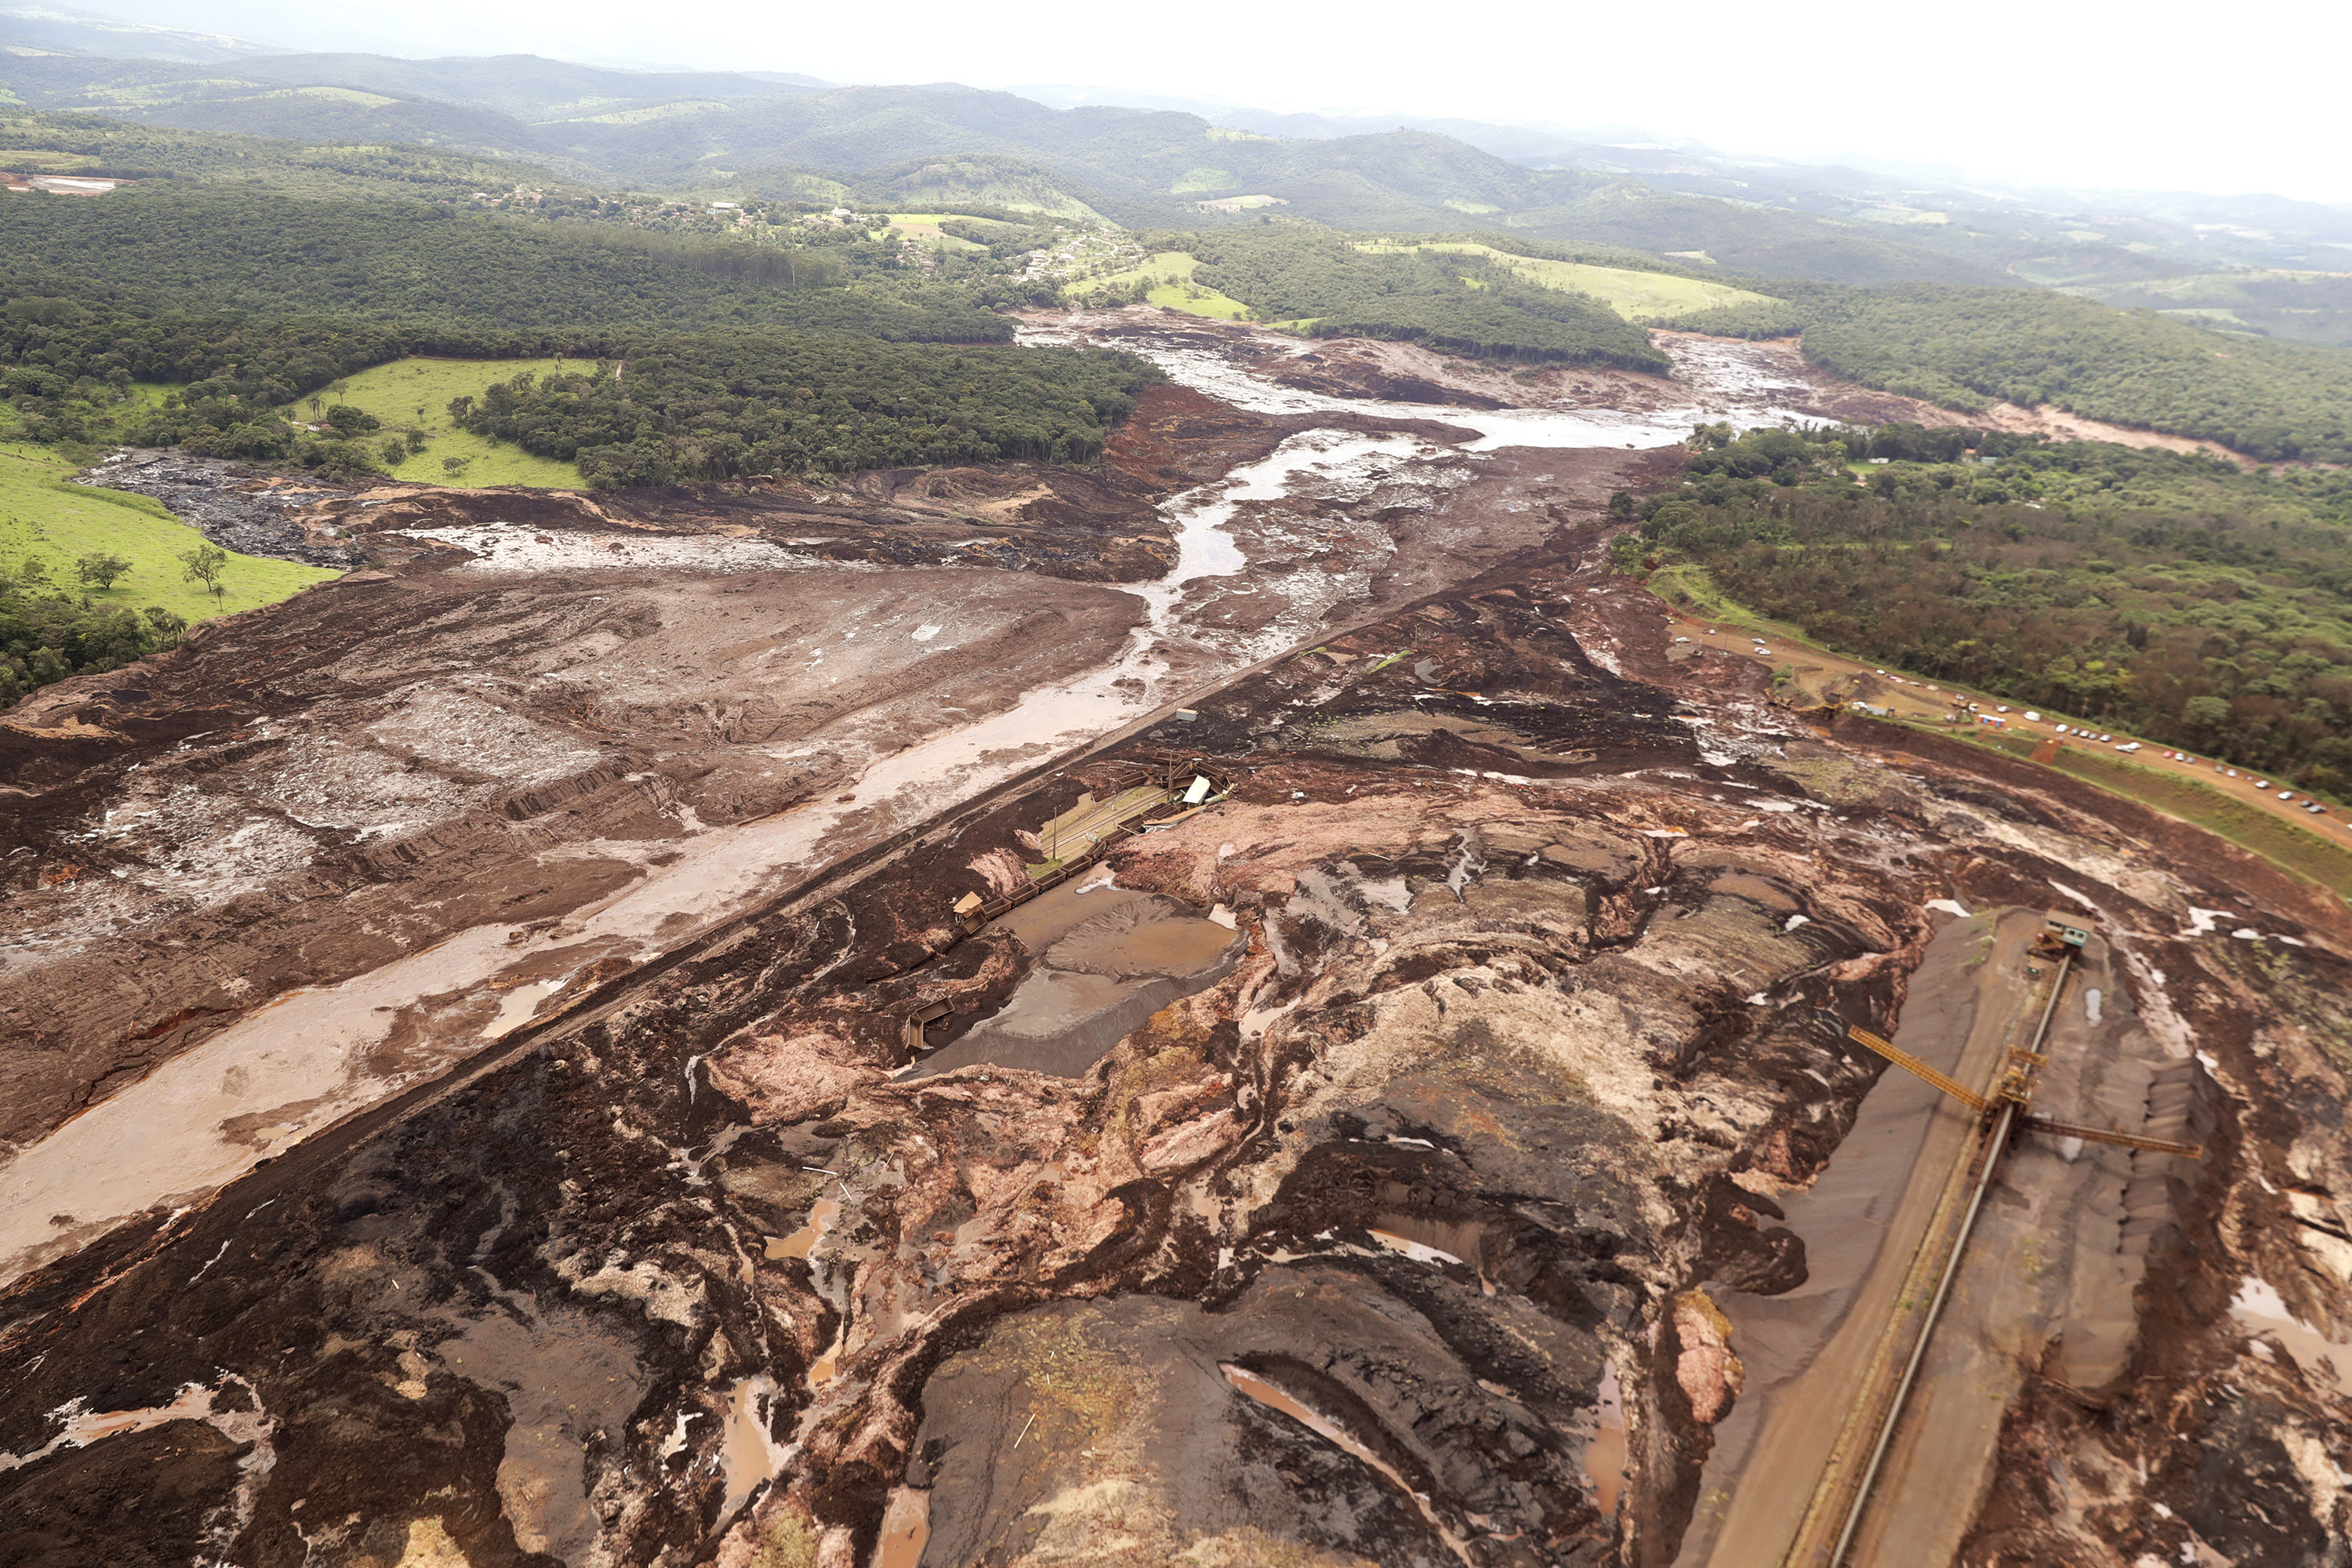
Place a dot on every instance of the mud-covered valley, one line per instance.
(497, 1073)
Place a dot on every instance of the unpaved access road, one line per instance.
(1910, 697)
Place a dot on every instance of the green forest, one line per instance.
(48, 634)
(2171, 594)
(685, 406)
(722, 405)
(1968, 348)
(1463, 304)
(416, 262)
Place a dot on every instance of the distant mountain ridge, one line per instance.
(1153, 161)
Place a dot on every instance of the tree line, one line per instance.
(2167, 593)
(1969, 348)
(719, 405)
(198, 247)
(1460, 303)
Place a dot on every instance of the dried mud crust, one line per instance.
(326, 786)
(1506, 906)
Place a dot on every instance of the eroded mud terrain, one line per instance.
(1404, 1234)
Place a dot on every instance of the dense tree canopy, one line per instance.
(2171, 594)
(1460, 303)
(47, 635)
(210, 248)
(720, 404)
(1968, 348)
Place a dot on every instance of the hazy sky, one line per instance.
(2249, 98)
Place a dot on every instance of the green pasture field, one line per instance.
(1637, 296)
(394, 393)
(1181, 295)
(43, 517)
(925, 226)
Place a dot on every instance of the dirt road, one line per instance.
(1908, 698)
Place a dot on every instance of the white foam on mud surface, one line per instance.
(518, 547)
(1723, 380)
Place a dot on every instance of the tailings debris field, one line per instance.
(459, 1112)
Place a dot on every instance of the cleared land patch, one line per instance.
(1637, 296)
(1170, 273)
(413, 395)
(44, 517)
(925, 226)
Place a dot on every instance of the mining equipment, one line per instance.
(2059, 939)
(1188, 787)
(2003, 1111)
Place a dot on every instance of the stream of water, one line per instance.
(304, 1062)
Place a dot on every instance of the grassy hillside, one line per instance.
(413, 396)
(44, 517)
(1637, 295)
(966, 185)
(1166, 278)
(1338, 286)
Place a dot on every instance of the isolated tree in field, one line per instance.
(101, 569)
(453, 466)
(205, 563)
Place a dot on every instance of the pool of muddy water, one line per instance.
(1108, 958)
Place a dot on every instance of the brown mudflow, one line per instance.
(1502, 904)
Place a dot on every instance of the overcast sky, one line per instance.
(2248, 98)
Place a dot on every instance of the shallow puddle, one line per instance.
(2261, 1311)
(1109, 965)
(906, 1528)
(1606, 1456)
(519, 1006)
(797, 1244)
(750, 1454)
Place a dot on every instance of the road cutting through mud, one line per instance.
(1863, 1219)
